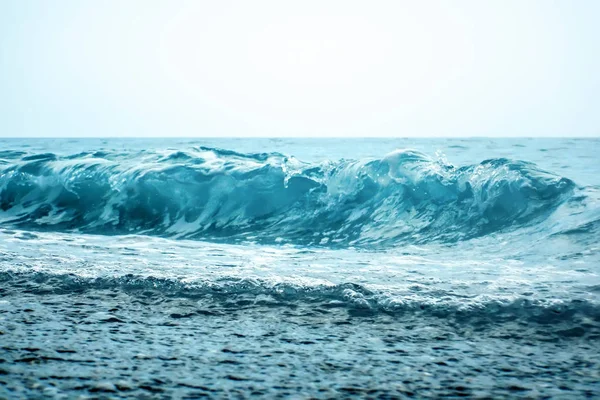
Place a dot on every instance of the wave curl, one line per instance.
(215, 194)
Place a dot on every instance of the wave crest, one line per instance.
(215, 194)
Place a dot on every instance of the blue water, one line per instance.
(319, 268)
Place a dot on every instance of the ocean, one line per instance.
(300, 268)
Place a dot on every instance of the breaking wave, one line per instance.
(214, 194)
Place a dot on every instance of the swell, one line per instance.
(232, 295)
(214, 194)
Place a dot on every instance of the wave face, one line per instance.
(214, 194)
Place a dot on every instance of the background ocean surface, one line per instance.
(324, 268)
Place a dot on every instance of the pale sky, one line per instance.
(299, 68)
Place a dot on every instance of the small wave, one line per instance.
(214, 194)
(235, 293)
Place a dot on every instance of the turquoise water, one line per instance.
(299, 267)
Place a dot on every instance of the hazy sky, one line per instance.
(299, 68)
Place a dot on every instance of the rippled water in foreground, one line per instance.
(311, 268)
